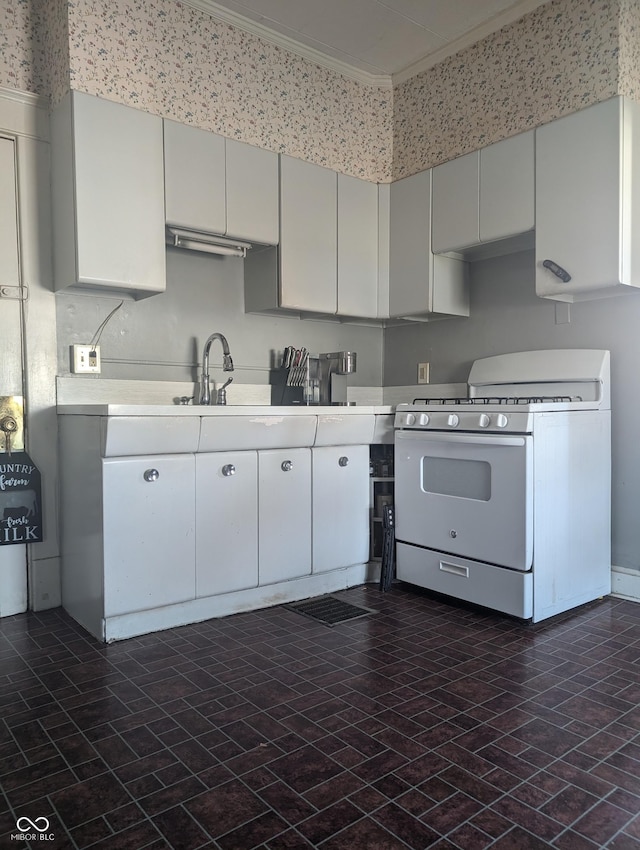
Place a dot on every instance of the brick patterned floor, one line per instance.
(425, 725)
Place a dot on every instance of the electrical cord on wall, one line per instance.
(95, 339)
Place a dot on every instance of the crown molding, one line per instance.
(383, 81)
(24, 97)
(24, 114)
(519, 10)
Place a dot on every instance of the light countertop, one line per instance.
(220, 410)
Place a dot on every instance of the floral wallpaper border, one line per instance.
(178, 62)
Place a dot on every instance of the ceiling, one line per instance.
(379, 42)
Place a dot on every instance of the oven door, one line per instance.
(466, 494)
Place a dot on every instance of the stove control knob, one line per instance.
(501, 420)
(453, 420)
(410, 419)
(484, 420)
(423, 419)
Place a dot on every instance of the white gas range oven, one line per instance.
(503, 498)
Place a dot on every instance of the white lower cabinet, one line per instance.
(226, 512)
(148, 532)
(284, 514)
(340, 498)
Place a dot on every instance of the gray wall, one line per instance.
(161, 337)
(507, 316)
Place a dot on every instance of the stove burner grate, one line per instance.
(496, 400)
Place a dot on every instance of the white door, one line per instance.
(284, 514)
(340, 507)
(466, 494)
(226, 522)
(357, 247)
(579, 185)
(13, 559)
(149, 532)
(308, 236)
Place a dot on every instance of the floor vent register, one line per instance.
(329, 610)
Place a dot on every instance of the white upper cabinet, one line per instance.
(357, 247)
(108, 197)
(252, 193)
(421, 285)
(301, 275)
(194, 175)
(587, 201)
(308, 244)
(484, 196)
(507, 188)
(456, 203)
(328, 259)
(220, 186)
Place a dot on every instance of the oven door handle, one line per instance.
(485, 440)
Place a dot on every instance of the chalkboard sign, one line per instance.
(20, 500)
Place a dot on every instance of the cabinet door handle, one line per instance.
(557, 270)
(286, 465)
(151, 475)
(228, 469)
(343, 461)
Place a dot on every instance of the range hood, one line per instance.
(196, 240)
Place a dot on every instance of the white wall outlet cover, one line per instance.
(85, 359)
(423, 373)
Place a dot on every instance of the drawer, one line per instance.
(126, 436)
(345, 429)
(509, 591)
(240, 433)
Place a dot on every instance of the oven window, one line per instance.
(467, 479)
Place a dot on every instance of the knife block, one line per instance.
(281, 394)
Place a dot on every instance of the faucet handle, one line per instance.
(221, 396)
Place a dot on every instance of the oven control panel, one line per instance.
(516, 421)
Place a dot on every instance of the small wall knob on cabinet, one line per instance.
(343, 461)
(286, 465)
(151, 475)
(228, 469)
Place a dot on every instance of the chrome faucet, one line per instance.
(227, 366)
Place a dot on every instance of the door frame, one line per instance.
(24, 117)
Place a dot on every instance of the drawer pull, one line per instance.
(151, 475)
(286, 465)
(454, 569)
(343, 461)
(228, 469)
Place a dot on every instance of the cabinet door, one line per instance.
(384, 206)
(194, 164)
(108, 196)
(421, 284)
(308, 236)
(340, 496)
(252, 193)
(149, 532)
(579, 173)
(357, 247)
(507, 186)
(456, 204)
(226, 522)
(284, 513)
(410, 258)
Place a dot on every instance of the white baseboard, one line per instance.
(196, 610)
(625, 583)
